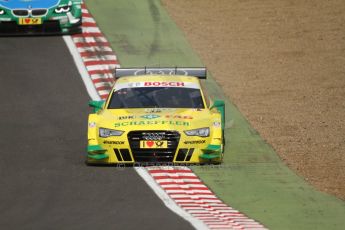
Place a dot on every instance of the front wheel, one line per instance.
(223, 141)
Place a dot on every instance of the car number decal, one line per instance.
(30, 21)
(153, 144)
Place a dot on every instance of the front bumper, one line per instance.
(49, 27)
(179, 150)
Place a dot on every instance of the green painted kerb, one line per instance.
(252, 178)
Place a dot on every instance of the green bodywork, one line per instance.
(96, 152)
(67, 13)
(220, 105)
(96, 105)
(212, 152)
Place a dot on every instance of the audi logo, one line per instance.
(153, 136)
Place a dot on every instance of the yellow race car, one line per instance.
(156, 115)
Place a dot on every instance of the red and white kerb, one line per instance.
(97, 55)
(190, 193)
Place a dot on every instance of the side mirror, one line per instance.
(96, 105)
(220, 106)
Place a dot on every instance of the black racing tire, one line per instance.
(223, 141)
(95, 164)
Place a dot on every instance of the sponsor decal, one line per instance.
(126, 117)
(113, 142)
(30, 21)
(159, 143)
(195, 142)
(158, 110)
(150, 116)
(149, 122)
(169, 116)
(164, 84)
(153, 144)
(153, 110)
(126, 85)
(134, 84)
(153, 116)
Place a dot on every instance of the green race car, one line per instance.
(34, 17)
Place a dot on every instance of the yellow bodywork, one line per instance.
(149, 121)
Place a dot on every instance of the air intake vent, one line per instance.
(123, 155)
(184, 154)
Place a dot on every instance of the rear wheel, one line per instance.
(223, 146)
(223, 141)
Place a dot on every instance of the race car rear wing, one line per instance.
(200, 73)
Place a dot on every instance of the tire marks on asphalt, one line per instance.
(97, 55)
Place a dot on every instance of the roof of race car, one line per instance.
(157, 81)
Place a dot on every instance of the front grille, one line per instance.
(153, 155)
(25, 13)
(38, 12)
(21, 13)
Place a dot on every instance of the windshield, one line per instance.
(156, 97)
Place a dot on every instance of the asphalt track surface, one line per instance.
(44, 183)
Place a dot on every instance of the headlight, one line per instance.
(203, 132)
(64, 9)
(2, 12)
(109, 132)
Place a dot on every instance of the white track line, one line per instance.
(170, 203)
(91, 90)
